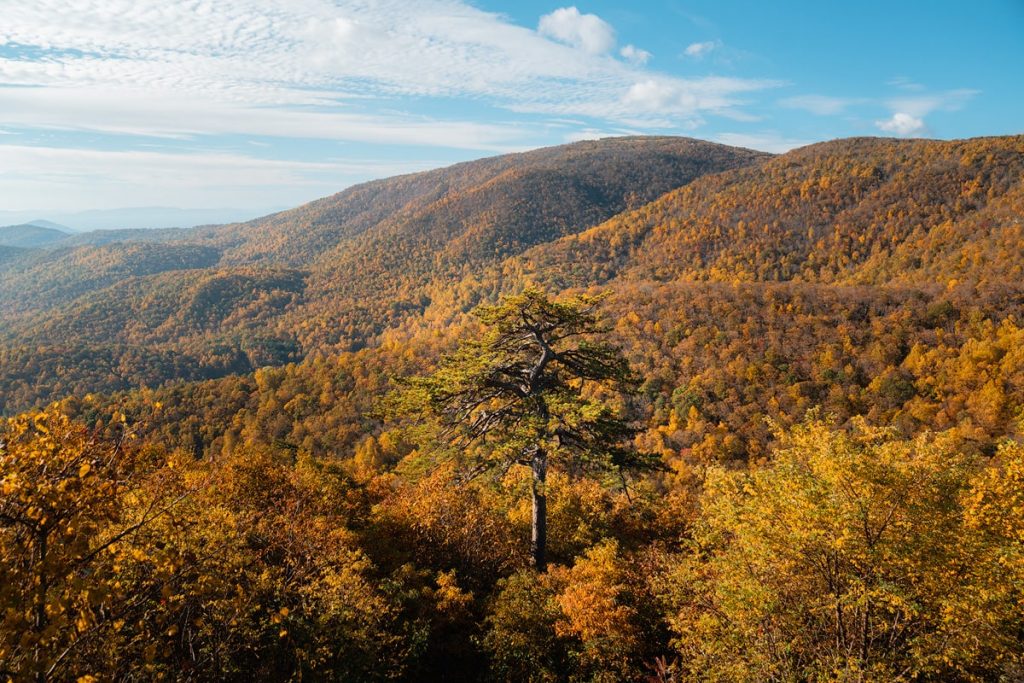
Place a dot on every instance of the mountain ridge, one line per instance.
(29, 236)
(350, 212)
(422, 249)
(719, 227)
(351, 265)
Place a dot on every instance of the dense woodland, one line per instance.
(230, 452)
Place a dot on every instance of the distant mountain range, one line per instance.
(50, 224)
(129, 218)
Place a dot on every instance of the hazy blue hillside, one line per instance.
(29, 236)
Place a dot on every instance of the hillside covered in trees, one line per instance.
(332, 274)
(769, 410)
(27, 236)
(336, 274)
(860, 211)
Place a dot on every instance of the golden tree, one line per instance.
(61, 520)
(848, 558)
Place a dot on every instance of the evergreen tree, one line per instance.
(535, 389)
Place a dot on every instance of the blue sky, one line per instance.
(262, 104)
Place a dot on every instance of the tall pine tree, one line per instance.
(528, 391)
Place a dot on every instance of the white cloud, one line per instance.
(922, 105)
(653, 95)
(586, 31)
(700, 50)
(821, 105)
(902, 124)
(635, 55)
(909, 111)
(591, 134)
(687, 99)
(765, 142)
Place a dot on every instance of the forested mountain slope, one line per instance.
(42, 279)
(859, 211)
(716, 360)
(374, 252)
(866, 210)
(578, 184)
(7, 253)
(333, 273)
(97, 238)
(29, 236)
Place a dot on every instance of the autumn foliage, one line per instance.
(785, 444)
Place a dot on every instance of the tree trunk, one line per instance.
(39, 619)
(539, 537)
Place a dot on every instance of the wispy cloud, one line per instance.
(767, 141)
(908, 111)
(924, 104)
(904, 83)
(634, 55)
(227, 59)
(700, 50)
(690, 98)
(120, 110)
